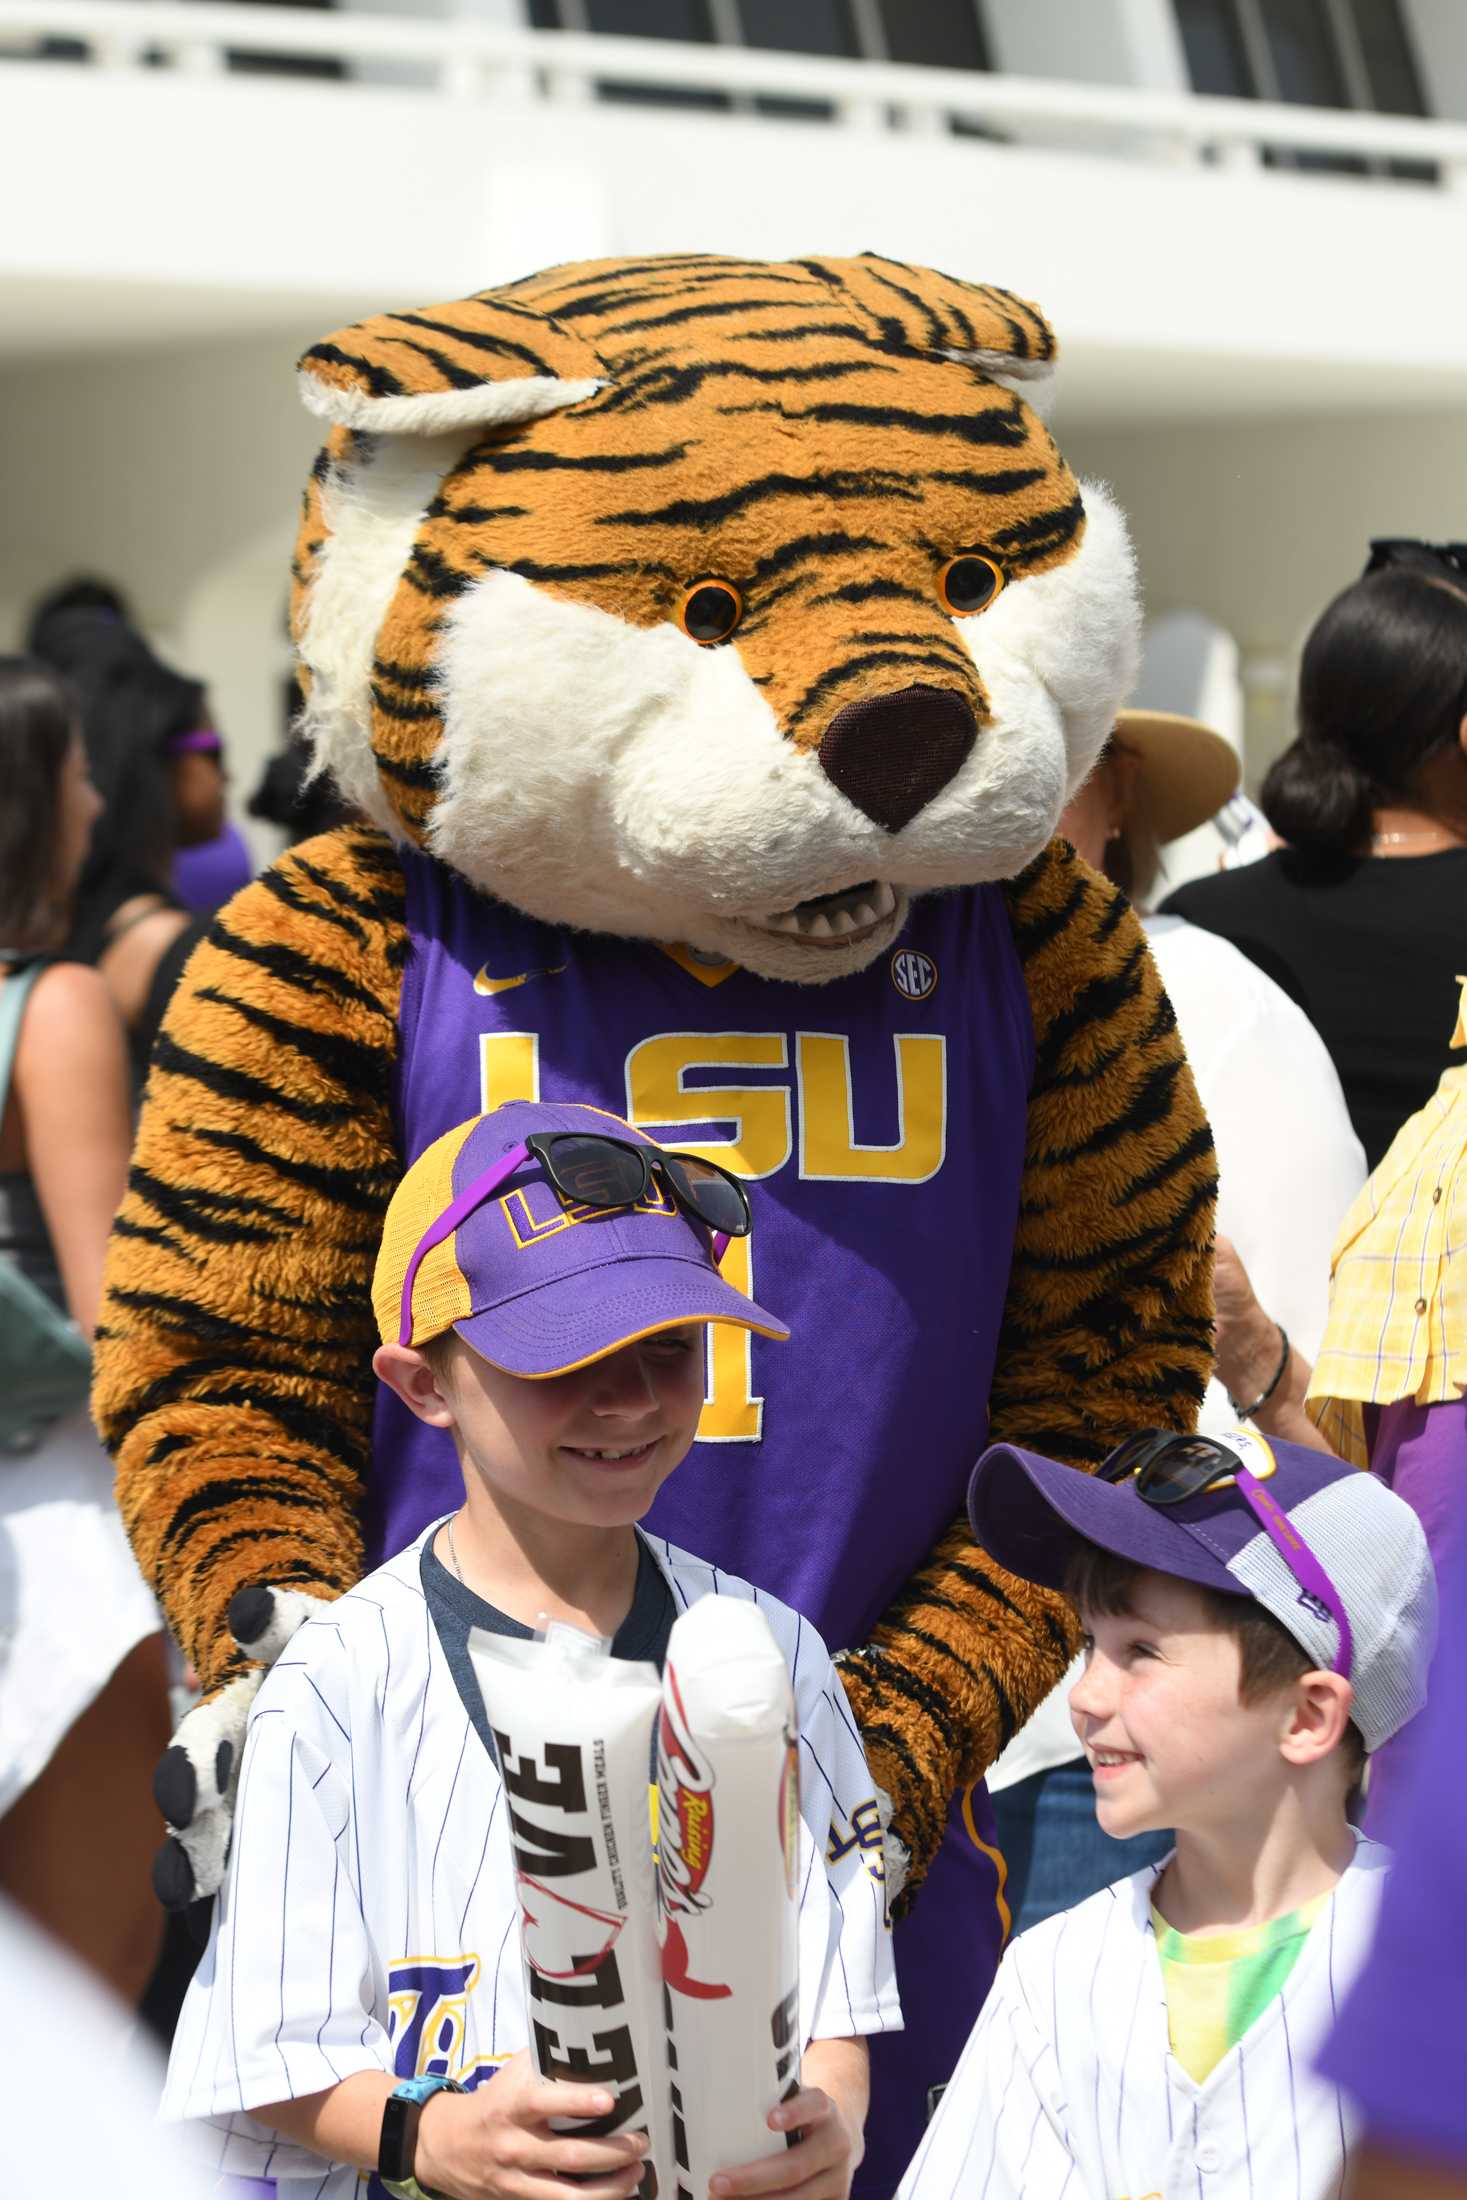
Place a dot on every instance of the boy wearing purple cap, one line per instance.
(1257, 1620)
(546, 1279)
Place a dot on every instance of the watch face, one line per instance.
(398, 2143)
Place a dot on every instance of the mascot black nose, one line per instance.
(890, 754)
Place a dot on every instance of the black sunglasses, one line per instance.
(591, 1169)
(588, 1169)
(1169, 1468)
(1428, 557)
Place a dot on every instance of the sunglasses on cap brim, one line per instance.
(602, 1174)
(1171, 1470)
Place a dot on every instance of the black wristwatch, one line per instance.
(398, 2145)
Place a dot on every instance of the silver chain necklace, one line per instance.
(452, 1553)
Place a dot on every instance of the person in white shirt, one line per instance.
(544, 1284)
(1257, 1620)
(1289, 1165)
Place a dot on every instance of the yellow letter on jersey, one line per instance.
(828, 1147)
(732, 1414)
(509, 1068)
(657, 1094)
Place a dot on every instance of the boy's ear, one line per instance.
(408, 1374)
(1319, 1714)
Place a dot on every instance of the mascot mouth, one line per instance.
(843, 919)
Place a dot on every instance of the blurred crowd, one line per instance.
(1317, 989)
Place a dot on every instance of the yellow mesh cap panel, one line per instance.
(440, 1294)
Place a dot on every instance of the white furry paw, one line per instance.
(194, 1785)
(262, 1620)
(194, 1788)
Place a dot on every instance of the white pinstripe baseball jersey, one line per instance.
(1067, 2085)
(368, 1920)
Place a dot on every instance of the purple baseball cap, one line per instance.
(534, 1286)
(1032, 1514)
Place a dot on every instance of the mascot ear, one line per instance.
(917, 309)
(480, 363)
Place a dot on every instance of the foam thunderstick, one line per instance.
(728, 1840)
(573, 1729)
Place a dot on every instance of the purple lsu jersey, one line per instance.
(879, 1124)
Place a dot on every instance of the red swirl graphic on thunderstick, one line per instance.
(561, 1938)
(685, 1840)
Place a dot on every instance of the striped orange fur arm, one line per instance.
(1108, 1323)
(234, 1382)
(1107, 1328)
(953, 1668)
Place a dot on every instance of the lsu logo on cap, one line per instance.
(913, 974)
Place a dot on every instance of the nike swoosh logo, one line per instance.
(485, 984)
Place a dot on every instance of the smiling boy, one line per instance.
(546, 1280)
(1257, 1620)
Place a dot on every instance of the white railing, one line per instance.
(466, 60)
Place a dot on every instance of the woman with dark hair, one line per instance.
(83, 1684)
(1362, 915)
(157, 765)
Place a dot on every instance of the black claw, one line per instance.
(173, 1877)
(250, 1613)
(223, 1766)
(175, 1791)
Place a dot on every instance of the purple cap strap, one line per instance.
(203, 739)
(458, 1210)
(1300, 1560)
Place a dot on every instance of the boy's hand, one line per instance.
(819, 2165)
(496, 2142)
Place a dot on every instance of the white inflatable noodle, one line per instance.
(573, 1731)
(728, 1843)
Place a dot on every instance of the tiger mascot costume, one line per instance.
(709, 648)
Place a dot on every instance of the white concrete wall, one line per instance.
(1176, 287)
(1260, 522)
(177, 474)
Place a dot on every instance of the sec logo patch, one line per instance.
(914, 975)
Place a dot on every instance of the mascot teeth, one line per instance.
(835, 917)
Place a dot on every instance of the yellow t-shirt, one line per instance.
(1216, 1984)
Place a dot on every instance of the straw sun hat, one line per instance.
(1185, 774)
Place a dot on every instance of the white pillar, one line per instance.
(1438, 32)
(1091, 41)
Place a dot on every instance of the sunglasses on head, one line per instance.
(1171, 1470)
(1449, 558)
(594, 1170)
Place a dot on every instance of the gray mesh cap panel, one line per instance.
(1371, 1545)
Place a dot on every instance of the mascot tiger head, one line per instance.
(709, 601)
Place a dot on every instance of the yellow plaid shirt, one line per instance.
(1397, 1325)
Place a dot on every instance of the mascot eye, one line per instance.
(710, 611)
(968, 583)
